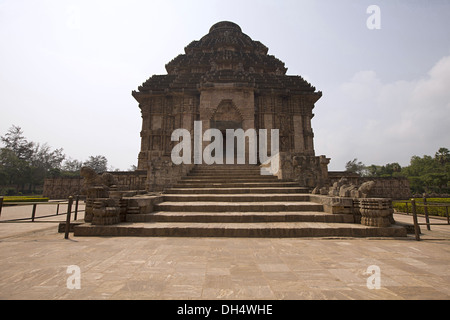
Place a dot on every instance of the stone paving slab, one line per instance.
(34, 265)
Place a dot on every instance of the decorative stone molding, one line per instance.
(105, 212)
(376, 212)
(335, 205)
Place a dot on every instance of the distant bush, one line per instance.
(24, 199)
(420, 209)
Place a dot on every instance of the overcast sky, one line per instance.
(67, 69)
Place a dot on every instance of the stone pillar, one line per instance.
(299, 140)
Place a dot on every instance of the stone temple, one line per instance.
(228, 81)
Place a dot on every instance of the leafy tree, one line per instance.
(428, 174)
(98, 163)
(26, 163)
(71, 165)
(16, 142)
(44, 162)
(14, 170)
(356, 167)
(442, 156)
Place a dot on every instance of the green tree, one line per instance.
(71, 165)
(356, 167)
(24, 163)
(16, 142)
(44, 162)
(442, 156)
(428, 174)
(98, 163)
(15, 171)
(15, 157)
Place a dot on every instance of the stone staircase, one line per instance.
(237, 201)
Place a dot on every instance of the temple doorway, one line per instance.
(227, 116)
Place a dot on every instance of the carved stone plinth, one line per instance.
(105, 212)
(93, 193)
(376, 212)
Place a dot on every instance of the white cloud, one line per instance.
(379, 123)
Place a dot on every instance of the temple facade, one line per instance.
(226, 80)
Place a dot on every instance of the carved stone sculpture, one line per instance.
(365, 188)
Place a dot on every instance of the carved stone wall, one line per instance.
(62, 188)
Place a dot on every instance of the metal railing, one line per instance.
(34, 205)
(427, 218)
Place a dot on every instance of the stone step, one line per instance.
(236, 197)
(226, 180)
(202, 184)
(247, 230)
(241, 217)
(227, 172)
(254, 190)
(227, 169)
(226, 166)
(222, 176)
(237, 207)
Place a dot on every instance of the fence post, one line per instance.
(1, 205)
(446, 212)
(425, 208)
(416, 225)
(33, 214)
(77, 198)
(69, 209)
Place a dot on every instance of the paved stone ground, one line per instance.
(34, 260)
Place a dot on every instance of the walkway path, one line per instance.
(34, 260)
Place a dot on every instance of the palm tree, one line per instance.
(443, 156)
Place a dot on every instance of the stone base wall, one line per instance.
(62, 188)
